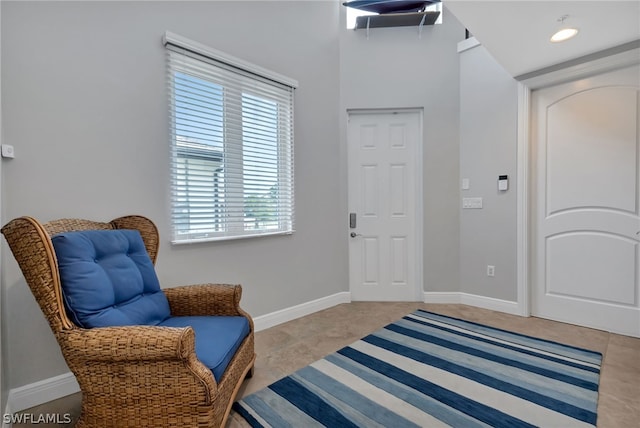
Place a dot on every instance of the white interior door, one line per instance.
(586, 258)
(385, 243)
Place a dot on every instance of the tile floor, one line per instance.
(290, 346)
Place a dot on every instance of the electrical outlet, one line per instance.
(491, 270)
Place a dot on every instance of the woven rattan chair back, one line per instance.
(30, 242)
(135, 376)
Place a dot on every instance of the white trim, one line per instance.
(444, 297)
(43, 391)
(522, 201)
(419, 230)
(7, 411)
(248, 235)
(272, 319)
(582, 70)
(484, 302)
(525, 87)
(46, 390)
(384, 110)
(50, 389)
(467, 44)
(199, 48)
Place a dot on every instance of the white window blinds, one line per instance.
(231, 146)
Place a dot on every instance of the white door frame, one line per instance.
(419, 196)
(525, 87)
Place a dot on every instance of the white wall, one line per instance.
(84, 102)
(395, 68)
(488, 132)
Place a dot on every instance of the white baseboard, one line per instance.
(473, 300)
(263, 322)
(7, 411)
(441, 297)
(36, 393)
(46, 390)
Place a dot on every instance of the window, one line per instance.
(231, 146)
(353, 13)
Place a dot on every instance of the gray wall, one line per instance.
(394, 68)
(3, 384)
(84, 102)
(488, 132)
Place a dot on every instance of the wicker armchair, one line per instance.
(134, 376)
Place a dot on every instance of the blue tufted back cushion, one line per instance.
(108, 279)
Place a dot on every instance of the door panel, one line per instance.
(398, 190)
(370, 190)
(592, 266)
(384, 171)
(399, 260)
(370, 261)
(591, 145)
(585, 251)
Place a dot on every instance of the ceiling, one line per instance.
(517, 32)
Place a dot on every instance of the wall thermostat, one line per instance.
(503, 182)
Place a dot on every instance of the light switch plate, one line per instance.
(7, 151)
(471, 203)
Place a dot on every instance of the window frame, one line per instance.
(233, 215)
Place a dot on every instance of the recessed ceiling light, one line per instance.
(564, 34)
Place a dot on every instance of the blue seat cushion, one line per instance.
(108, 279)
(217, 338)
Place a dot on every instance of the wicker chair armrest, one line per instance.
(130, 343)
(100, 356)
(205, 299)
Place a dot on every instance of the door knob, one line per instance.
(353, 234)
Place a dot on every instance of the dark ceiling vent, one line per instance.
(394, 13)
(389, 6)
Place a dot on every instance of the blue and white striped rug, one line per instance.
(430, 370)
